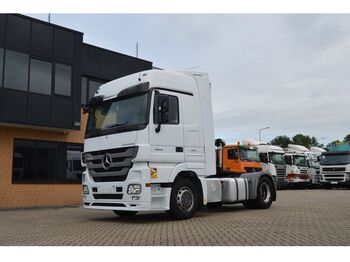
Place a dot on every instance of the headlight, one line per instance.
(134, 189)
(85, 190)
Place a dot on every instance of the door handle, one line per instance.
(179, 149)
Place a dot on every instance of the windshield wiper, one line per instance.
(116, 125)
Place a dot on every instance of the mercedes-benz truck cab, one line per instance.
(149, 145)
(335, 169)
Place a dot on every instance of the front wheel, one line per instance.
(183, 199)
(264, 197)
(123, 213)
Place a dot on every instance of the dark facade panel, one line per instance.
(18, 33)
(38, 109)
(2, 29)
(13, 106)
(61, 112)
(107, 65)
(63, 46)
(76, 79)
(41, 40)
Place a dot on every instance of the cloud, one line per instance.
(289, 72)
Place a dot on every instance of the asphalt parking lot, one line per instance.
(299, 217)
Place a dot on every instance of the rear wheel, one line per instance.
(264, 195)
(183, 199)
(123, 213)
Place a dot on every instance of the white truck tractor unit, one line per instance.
(312, 167)
(149, 145)
(335, 169)
(272, 159)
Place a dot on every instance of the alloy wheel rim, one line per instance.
(265, 192)
(185, 199)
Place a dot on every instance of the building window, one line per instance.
(63, 79)
(93, 86)
(16, 70)
(46, 162)
(1, 64)
(40, 77)
(88, 89)
(23, 161)
(73, 164)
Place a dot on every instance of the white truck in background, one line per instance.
(149, 145)
(312, 163)
(272, 159)
(296, 166)
(335, 169)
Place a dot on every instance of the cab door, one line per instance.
(166, 128)
(231, 160)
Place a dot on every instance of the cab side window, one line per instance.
(171, 114)
(232, 154)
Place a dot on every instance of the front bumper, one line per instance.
(298, 178)
(113, 195)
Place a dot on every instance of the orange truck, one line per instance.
(234, 160)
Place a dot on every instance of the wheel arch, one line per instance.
(191, 175)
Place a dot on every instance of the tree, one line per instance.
(305, 140)
(347, 138)
(281, 141)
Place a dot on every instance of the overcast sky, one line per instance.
(288, 72)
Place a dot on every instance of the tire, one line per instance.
(123, 213)
(249, 204)
(183, 200)
(264, 195)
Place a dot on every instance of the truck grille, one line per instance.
(108, 196)
(333, 168)
(333, 177)
(303, 171)
(117, 168)
(281, 175)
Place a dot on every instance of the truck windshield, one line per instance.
(277, 158)
(249, 154)
(335, 159)
(114, 116)
(300, 161)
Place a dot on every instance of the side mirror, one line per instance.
(161, 107)
(288, 160)
(263, 158)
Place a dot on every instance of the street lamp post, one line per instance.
(261, 129)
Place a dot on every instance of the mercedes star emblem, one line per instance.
(107, 161)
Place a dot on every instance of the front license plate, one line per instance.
(106, 189)
(334, 183)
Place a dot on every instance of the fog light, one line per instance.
(85, 190)
(135, 198)
(134, 189)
